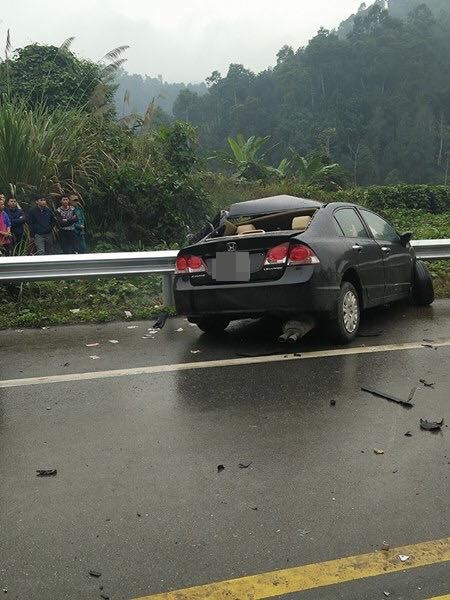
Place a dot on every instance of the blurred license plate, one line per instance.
(231, 266)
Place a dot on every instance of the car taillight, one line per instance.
(277, 255)
(302, 255)
(189, 264)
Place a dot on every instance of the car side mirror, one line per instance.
(405, 238)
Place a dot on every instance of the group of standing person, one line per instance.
(68, 219)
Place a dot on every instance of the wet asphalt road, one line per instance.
(138, 496)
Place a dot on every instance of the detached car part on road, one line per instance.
(285, 256)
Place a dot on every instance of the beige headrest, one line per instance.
(301, 223)
(249, 228)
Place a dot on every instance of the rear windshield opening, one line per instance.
(295, 220)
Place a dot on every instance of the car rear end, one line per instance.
(278, 273)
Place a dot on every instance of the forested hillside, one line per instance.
(378, 101)
(136, 92)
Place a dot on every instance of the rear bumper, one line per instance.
(289, 295)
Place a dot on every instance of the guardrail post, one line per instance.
(167, 289)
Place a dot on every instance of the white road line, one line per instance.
(227, 362)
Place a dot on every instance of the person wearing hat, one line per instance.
(41, 221)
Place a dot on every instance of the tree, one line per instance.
(314, 171)
(245, 157)
(55, 76)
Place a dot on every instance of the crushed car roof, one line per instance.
(272, 204)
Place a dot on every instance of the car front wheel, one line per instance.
(345, 321)
(422, 289)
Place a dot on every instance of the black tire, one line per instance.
(422, 287)
(344, 328)
(212, 324)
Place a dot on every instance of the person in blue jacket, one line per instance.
(17, 218)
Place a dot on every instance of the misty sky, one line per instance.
(184, 40)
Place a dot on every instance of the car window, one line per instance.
(381, 229)
(350, 223)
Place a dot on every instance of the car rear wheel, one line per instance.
(422, 289)
(345, 321)
(212, 324)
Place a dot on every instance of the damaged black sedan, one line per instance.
(290, 257)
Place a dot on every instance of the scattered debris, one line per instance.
(46, 472)
(411, 394)
(148, 337)
(404, 557)
(245, 465)
(427, 383)
(160, 321)
(387, 593)
(332, 402)
(128, 314)
(431, 425)
(139, 514)
(385, 547)
(92, 344)
(179, 329)
(254, 507)
(93, 573)
(44, 328)
(220, 468)
(408, 434)
(66, 364)
(75, 311)
(405, 403)
(94, 357)
(152, 331)
(113, 341)
(48, 408)
(378, 451)
(298, 354)
(133, 327)
(303, 532)
(428, 345)
(19, 330)
(104, 596)
(428, 341)
(195, 351)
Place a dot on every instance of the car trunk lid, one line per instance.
(257, 247)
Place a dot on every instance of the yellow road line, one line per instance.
(227, 362)
(298, 579)
(446, 597)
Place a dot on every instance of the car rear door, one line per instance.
(397, 258)
(362, 252)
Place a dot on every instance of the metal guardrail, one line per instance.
(80, 266)
(112, 264)
(432, 249)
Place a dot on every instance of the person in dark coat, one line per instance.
(80, 225)
(17, 218)
(41, 221)
(67, 218)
